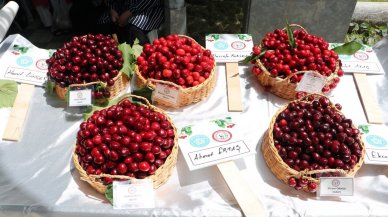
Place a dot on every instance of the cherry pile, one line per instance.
(177, 59)
(299, 183)
(311, 53)
(124, 139)
(314, 135)
(85, 59)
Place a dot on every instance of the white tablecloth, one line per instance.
(37, 177)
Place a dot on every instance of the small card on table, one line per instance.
(211, 142)
(133, 194)
(375, 139)
(336, 186)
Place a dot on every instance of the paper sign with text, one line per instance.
(23, 62)
(363, 61)
(312, 82)
(336, 186)
(133, 194)
(229, 47)
(166, 93)
(375, 139)
(211, 142)
(80, 97)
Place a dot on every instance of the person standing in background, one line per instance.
(143, 17)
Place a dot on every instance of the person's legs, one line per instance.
(130, 32)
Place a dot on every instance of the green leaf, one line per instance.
(145, 92)
(187, 130)
(126, 52)
(109, 193)
(248, 59)
(137, 48)
(348, 48)
(221, 123)
(49, 87)
(8, 92)
(364, 128)
(291, 39)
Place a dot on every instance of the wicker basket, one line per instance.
(161, 174)
(186, 96)
(283, 87)
(282, 171)
(121, 82)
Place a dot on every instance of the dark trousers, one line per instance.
(130, 32)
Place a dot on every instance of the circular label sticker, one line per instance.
(221, 45)
(24, 61)
(361, 55)
(335, 182)
(376, 140)
(41, 64)
(238, 45)
(199, 141)
(222, 135)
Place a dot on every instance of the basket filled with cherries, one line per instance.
(129, 140)
(88, 60)
(285, 55)
(310, 138)
(179, 62)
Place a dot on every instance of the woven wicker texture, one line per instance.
(161, 174)
(121, 82)
(187, 96)
(281, 170)
(283, 87)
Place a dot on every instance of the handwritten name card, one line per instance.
(23, 62)
(376, 143)
(212, 142)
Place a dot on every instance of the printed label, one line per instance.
(312, 82)
(166, 93)
(80, 97)
(336, 186)
(133, 194)
(211, 142)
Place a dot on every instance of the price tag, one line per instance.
(312, 82)
(80, 97)
(166, 93)
(336, 186)
(133, 194)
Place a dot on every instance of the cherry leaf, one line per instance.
(291, 39)
(126, 52)
(145, 92)
(8, 92)
(109, 193)
(348, 48)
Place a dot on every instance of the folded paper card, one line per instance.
(211, 142)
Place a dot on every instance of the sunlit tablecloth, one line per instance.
(37, 177)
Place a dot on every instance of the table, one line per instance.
(37, 177)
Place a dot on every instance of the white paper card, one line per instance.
(336, 186)
(23, 62)
(80, 97)
(229, 47)
(312, 82)
(363, 61)
(133, 194)
(375, 139)
(211, 142)
(166, 93)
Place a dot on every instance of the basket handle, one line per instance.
(128, 95)
(85, 84)
(151, 81)
(297, 25)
